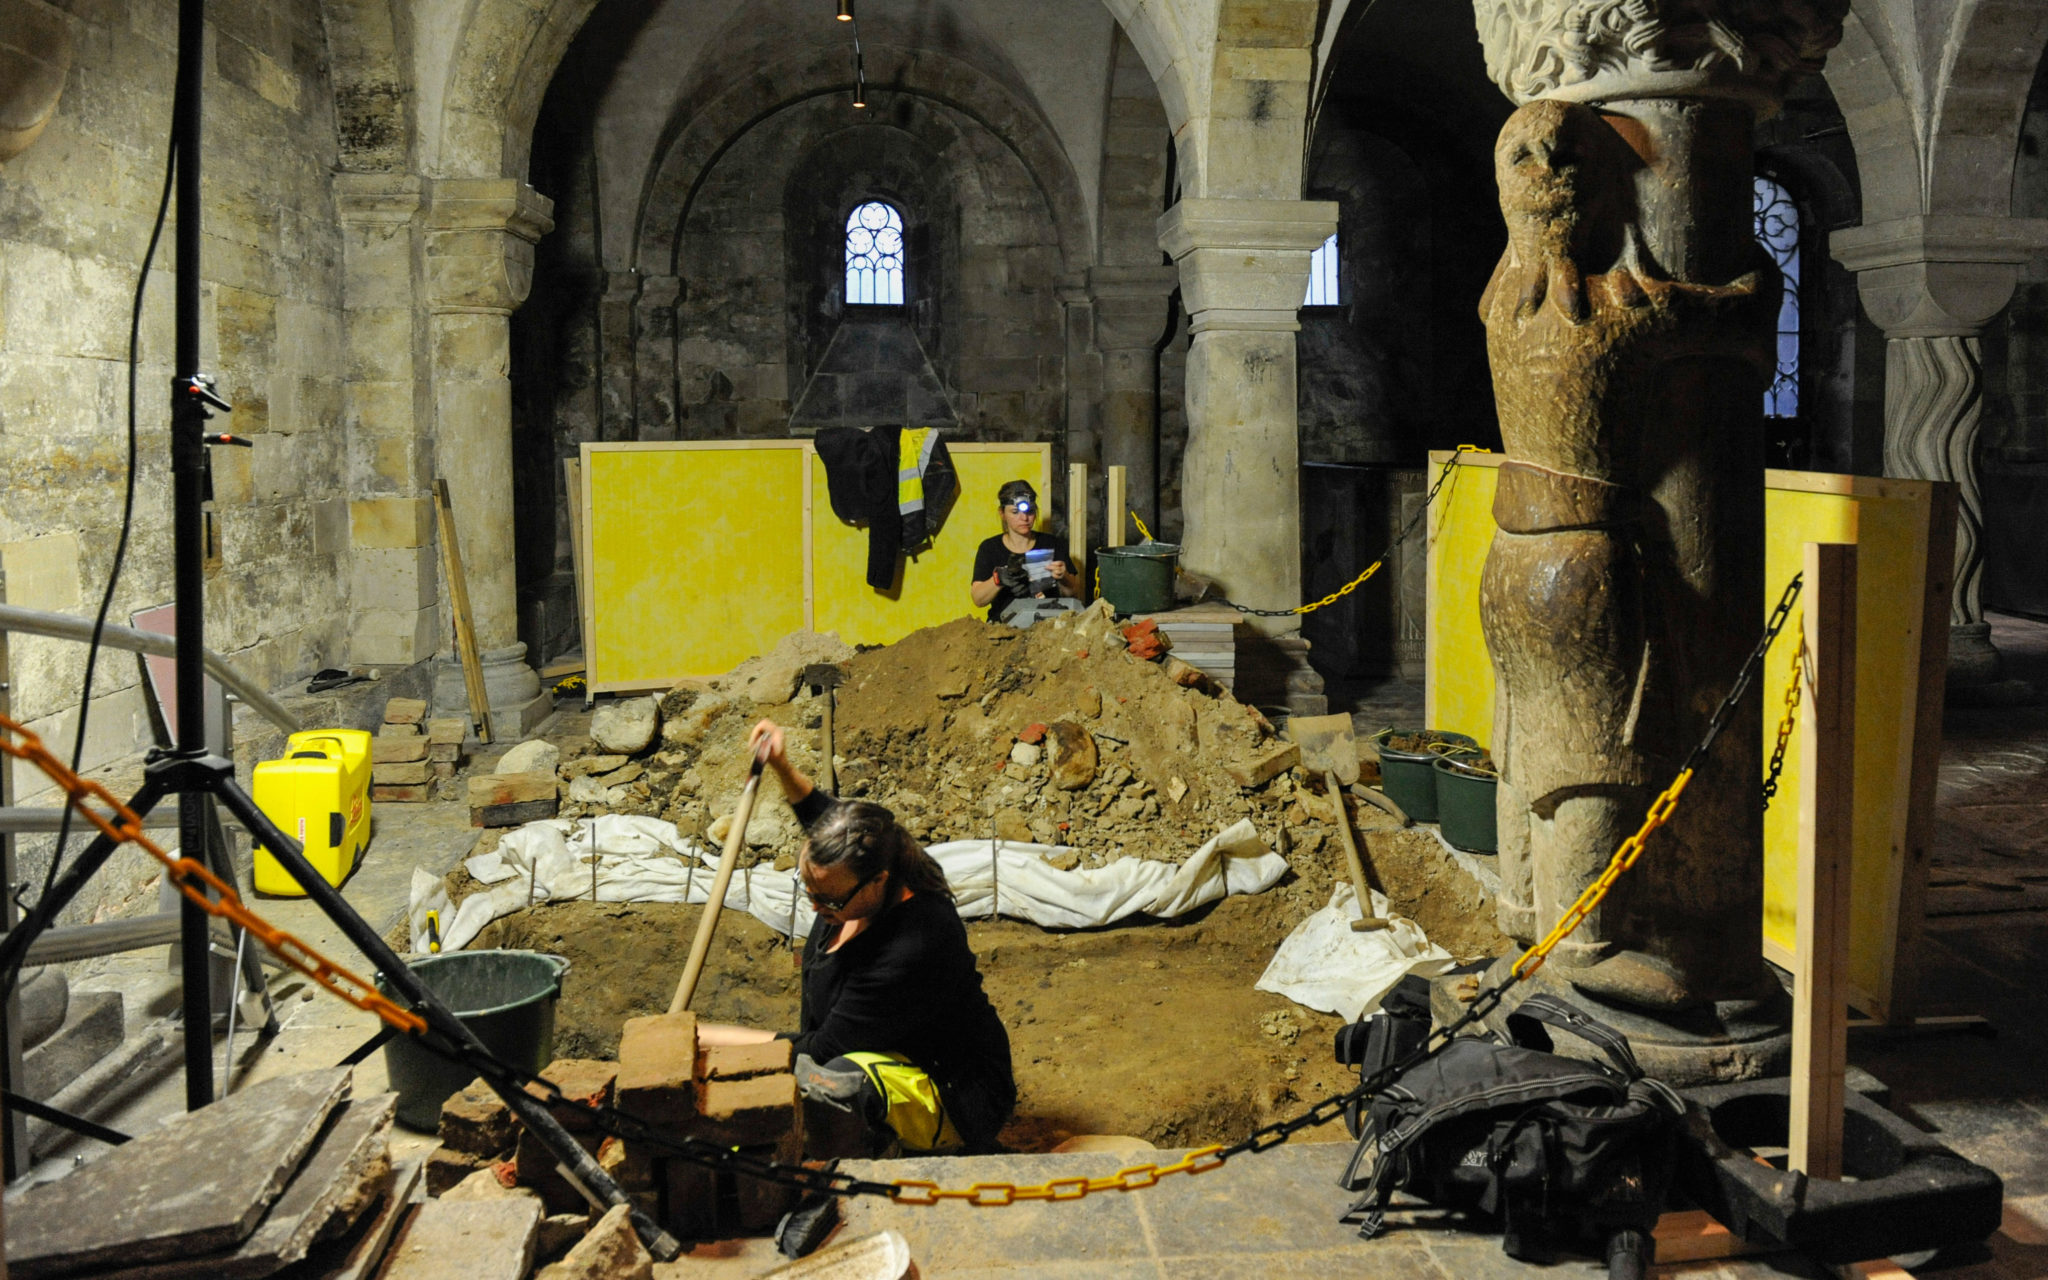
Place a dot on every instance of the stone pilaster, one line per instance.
(478, 260)
(393, 615)
(1932, 283)
(654, 358)
(615, 356)
(1243, 270)
(1132, 307)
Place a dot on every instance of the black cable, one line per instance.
(92, 652)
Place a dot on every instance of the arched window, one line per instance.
(1322, 275)
(874, 255)
(1777, 229)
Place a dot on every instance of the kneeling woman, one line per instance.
(894, 1024)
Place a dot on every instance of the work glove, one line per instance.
(1013, 579)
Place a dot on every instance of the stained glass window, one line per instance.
(1777, 229)
(874, 255)
(1322, 275)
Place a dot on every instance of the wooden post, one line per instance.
(1827, 810)
(465, 626)
(1933, 688)
(1117, 512)
(1077, 523)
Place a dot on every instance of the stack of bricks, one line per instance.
(399, 769)
(741, 1096)
(445, 735)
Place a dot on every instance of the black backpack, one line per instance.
(1561, 1151)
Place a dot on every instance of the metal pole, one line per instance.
(188, 473)
(15, 1136)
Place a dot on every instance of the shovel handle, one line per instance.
(1357, 864)
(700, 946)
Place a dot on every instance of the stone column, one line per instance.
(393, 613)
(1630, 330)
(480, 234)
(1243, 270)
(617, 364)
(1932, 283)
(1131, 313)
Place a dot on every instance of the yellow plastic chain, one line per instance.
(1624, 858)
(1785, 726)
(1348, 587)
(192, 879)
(995, 1195)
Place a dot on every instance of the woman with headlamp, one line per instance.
(1002, 573)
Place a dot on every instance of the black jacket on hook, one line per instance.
(861, 474)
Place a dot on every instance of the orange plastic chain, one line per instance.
(192, 879)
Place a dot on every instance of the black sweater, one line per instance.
(908, 984)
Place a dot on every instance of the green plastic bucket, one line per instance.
(1409, 777)
(1465, 806)
(506, 999)
(1138, 578)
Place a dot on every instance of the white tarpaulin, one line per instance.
(641, 859)
(1325, 964)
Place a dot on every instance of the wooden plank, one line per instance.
(1694, 1235)
(810, 561)
(1827, 812)
(1116, 513)
(1077, 522)
(1909, 884)
(465, 625)
(579, 552)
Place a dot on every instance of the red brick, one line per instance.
(630, 1166)
(405, 711)
(393, 793)
(657, 1060)
(762, 1203)
(585, 1080)
(477, 1122)
(388, 748)
(746, 1113)
(742, 1061)
(535, 1166)
(690, 1199)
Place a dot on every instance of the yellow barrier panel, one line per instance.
(1889, 522)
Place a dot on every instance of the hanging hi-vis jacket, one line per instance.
(865, 474)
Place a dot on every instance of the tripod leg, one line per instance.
(196, 944)
(15, 943)
(532, 1112)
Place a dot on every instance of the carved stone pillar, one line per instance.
(480, 234)
(1932, 283)
(1630, 327)
(1243, 270)
(1131, 312)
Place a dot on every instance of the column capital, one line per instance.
(480, 238)
(1130, 304)
(1610, 50)
(1937, 275)
(1244, 263)
(378, 197)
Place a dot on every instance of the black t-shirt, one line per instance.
(908, 984)
(992, 553)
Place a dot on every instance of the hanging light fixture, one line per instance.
(846, 10)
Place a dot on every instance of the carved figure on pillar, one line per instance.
(1630, 331)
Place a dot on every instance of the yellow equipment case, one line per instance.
(320, 793)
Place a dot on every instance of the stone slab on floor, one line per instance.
(466, 1240)
(357, 1253)
(1265, 1216)
(339, 1177)
(197, 1185)
(92, 1030)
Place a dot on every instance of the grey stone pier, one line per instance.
(1132, 308)
(480, 234)
(1243, 270)
(1932, 282)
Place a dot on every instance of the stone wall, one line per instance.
(77, 210)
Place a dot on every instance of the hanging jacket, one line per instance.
(865, 474)
(925, 485)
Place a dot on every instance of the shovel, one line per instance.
(824, 677)
(700, 946)
(1327, 746)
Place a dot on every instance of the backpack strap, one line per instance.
(1551, 1011)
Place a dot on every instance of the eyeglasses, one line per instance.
(823, 903)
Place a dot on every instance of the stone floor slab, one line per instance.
(1101, 1228)
(466, 1240)
(197, 1185)
(356, 1254)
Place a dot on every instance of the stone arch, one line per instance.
(369, 44)
(680, 165)
(1877, 108)
(1983, 100)
(480, 122)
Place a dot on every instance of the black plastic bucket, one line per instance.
(1138, 578)
(1465, 804)
(506, 999)
(1409, 777)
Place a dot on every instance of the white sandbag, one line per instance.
(640, 859)
(1325, 964)
(429, 893)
